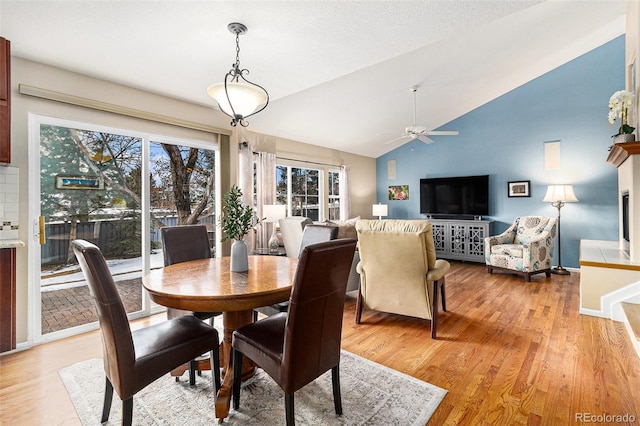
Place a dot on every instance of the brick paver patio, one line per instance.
(74, 306)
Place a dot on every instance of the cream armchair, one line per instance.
(398, 269)
(291, 230)
(525, 248)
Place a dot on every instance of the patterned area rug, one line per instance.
(371, 395)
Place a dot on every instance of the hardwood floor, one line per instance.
(508, 352)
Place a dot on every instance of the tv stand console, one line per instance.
(461, 239)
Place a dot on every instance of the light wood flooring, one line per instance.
(508, 352)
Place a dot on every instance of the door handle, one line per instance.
(40, 230)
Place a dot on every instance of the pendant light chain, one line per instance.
(237, 49)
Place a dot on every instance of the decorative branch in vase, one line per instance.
(620, 103)
(236, 221)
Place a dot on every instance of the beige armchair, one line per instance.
(291, 230)
(398, 269)
(525, 248)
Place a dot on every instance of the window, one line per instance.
(333, 192)
(314, 193)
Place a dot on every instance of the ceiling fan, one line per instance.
(420, 132)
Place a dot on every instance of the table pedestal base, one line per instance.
(232, 321)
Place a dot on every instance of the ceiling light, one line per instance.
(238, 97)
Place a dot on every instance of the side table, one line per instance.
(267, 252)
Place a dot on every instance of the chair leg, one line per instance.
(358, 307)
(192, 372)
(527, 277)
(255, 315)
(237, 377)
(288, 406)
(434, 310)
(108, 397)
(127, 412)
(335, 380)
(214, 360)
(442, 295)
(489, 269)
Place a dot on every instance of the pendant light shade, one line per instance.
(236, 96)
(246, 98)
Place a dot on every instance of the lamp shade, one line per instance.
(379, 210)
(274, 212)
(562, 193)
(245, 98)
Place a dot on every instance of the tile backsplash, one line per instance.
(9, 197)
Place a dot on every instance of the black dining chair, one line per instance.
(183, 243)
(295, 348)
(132, 360)
(311, 234)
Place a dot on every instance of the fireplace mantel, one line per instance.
(621, 151)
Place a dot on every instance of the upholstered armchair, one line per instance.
(291, 230)
(525, 248)
(398, 269)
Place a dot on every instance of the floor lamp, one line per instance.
(558, 196)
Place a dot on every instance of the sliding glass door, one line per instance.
(114, 188)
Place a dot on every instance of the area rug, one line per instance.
(371, 395)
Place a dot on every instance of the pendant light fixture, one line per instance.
(238, 97)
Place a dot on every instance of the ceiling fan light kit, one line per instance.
(236, 96)
(421, 132)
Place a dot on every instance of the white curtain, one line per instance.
(266, 192)
(345, 192)
(245, 182)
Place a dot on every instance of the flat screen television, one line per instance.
(455, 196)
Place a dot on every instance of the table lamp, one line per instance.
(272, 214)
(379, 210)
(558, 195)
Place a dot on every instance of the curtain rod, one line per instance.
(307, 161)
(51, 95)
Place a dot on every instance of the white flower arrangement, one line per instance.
(619, 105)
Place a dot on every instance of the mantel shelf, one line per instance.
(621, 151)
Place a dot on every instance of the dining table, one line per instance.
(208, 285)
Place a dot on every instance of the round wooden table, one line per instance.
(207, 285)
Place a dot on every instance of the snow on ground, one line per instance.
(121, 269)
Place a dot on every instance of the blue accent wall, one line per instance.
(505, 139)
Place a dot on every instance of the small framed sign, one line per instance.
(519, 188)
(79, 182)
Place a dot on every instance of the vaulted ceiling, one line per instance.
(339, 73)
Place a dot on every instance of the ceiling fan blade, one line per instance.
(443, 133)
(396, 139)
(424, 139)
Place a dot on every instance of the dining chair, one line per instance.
(311, 234)
(295, 348)
(132, 360)
(183, 243)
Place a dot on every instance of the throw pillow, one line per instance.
(346, 228)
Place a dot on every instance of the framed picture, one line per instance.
(519, 188)
(79, 182)
(399, 192)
